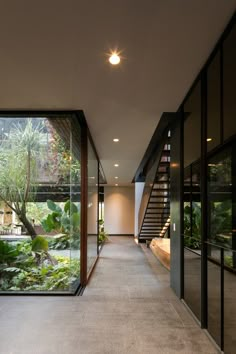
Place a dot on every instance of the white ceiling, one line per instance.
(53, 56)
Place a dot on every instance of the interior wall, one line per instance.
(119, 210)
(139, 186)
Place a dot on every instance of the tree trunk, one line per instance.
(29, 227)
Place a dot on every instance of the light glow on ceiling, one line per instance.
(116, 140)
(116, 165)
(116, 185)
(114, 58)
(209, 139)
(116, 177)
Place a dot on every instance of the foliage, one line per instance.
(39, 244)
(103, 235)
(66, 222)
(59, 242)
(192, 236)
(192, 242)
(61, 160)
(221, 222)
(36, 211)
(19, 151)
(229, 261)
(19, 270)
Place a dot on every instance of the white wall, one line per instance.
(139, 186)
(119, 210)
(92, 210)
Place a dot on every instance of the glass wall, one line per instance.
(192, 206)
(92, 239)
(229, 80)
(210, 142)
(40, 204)
(213, 104)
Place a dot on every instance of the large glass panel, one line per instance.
(192, 281)
(220, 199)
(229, 79)
(192, 208)
(40, 204)
(229, 302)
(214, 293)
(92, 207)
(213, 103)
(192, 126)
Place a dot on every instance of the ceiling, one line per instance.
(54, 56)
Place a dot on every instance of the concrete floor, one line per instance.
(127, 308)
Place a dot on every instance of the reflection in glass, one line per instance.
(92, 240)
(229, 79)
(192, 281)
(229, 309)
(192, 208)
(213, 103)
(220, 199)
(192, 126)
(214, 293)
(40, 204)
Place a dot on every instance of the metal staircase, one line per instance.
(156, 218)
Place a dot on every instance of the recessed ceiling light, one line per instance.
(116, 140)
(116, 177)
(116, 165)
(116, 185)
(209, 139)
(114, 59)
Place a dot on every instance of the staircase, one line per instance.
(156, 218)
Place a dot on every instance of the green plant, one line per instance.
(192, 225)
(64, 221)
(229, 261)
(59, 242)
(103, 235)
(19, 269)
(18, 168)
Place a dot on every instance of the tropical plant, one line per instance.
(18, 168)
(66, 222)
(103, 235)
(192, 226)
(19, 269)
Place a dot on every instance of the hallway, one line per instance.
(127, 308)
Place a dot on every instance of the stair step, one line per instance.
(159, 227)
(164, 163)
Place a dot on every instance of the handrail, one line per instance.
(219, 246)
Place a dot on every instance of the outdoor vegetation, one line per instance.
(192, 225)
(32, 155)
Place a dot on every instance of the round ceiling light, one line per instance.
(114, 59)
(116, 140)
(116, 165)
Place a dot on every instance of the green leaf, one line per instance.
(48, 223)
(70, 208)
(53, 206)
(39, 244)
(12, 269)
(75, 220)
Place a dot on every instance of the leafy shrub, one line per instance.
(103, 235)
(19, 269)
(64, 221)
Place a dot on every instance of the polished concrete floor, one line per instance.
(127, 308)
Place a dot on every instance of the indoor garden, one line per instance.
(39, 204)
